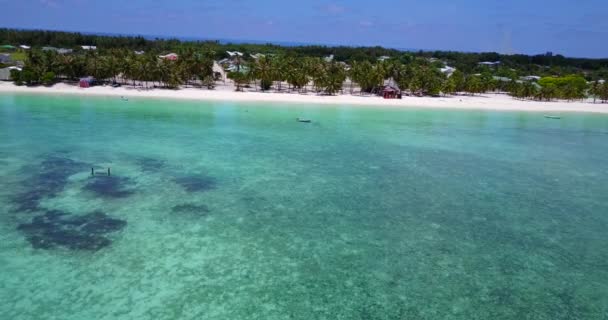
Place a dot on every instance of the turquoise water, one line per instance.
(218, 210)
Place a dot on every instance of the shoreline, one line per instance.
(493, 101)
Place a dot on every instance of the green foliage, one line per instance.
(367, 75)
(548, 92)
(16, 77)
(240, 79)
(335, 77)
(512, 66)
(29, 77)
(473, 84)
(569, 87)
(295, 73)
(264, 69)
(417, 72)
(327, 77)
(48, 78)
(459, 80)
(603, 92)
(449, 86)
(525, 90)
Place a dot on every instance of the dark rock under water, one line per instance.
(110, 186)
(50, 178)
(197, 183)
(58, 229)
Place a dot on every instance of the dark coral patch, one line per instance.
(58, 229)
(190, 208)
(110, 187)
(30, 200)
(50, 179)
(197, 183)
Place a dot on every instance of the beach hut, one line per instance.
(390, 92)
(86, 82)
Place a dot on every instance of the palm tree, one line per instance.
(335, 77)
(240, 79)
(548, 92)
(473, 84)
(66, 66)
(594, 90)
(128, 67)
(281, 65)
(111, 65)
(317, 71)
(603, 92)
(368, 76)
(265, 71)
(295, 73)
(449, 86)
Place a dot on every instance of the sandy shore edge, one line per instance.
(480, 102)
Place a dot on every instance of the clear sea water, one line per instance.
(219, 210)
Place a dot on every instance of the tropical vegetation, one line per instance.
(138, 61)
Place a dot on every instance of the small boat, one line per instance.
(553, 117)
(304, 120)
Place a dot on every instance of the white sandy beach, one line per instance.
(227, 93)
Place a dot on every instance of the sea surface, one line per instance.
(222, 210)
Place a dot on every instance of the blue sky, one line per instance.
(569, 27)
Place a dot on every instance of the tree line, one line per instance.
(517, 64)
(414, 75)
(118, 66)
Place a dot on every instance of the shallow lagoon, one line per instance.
(217, 210)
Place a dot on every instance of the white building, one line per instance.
(88, 47)
(5, 73)
(24, 47)
(530, 78)
(447, 70)
(489, 63)
(58, 50)
(234, 54)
